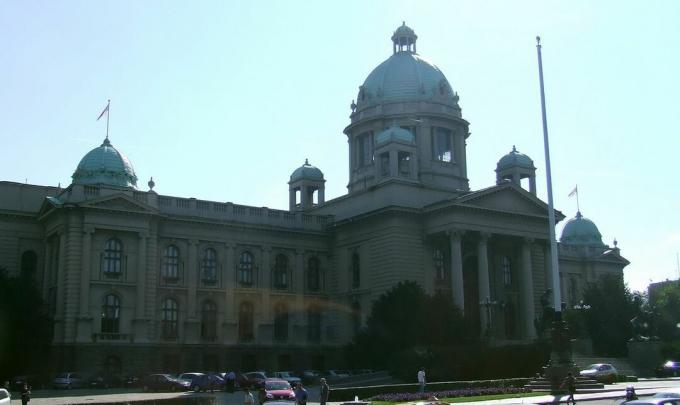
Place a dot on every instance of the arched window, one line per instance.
(169, 319)
(29, 264)
(313, 274)
(281, 272)
(209, 267)
(171, 264)
(209, 321)
(245, 322)
(506, 271)
(438, 260)
(280, 323)
(314, 324)
(245, 269)
(356, 317)
(111, 314)
(113, 258)
(356, 270)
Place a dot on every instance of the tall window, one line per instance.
(404, 164)
(364, 149)
(110, 314)
(281, 272)
(113, 257)
(209, 266)
(245, 269)
(314, 324)
(280, 323)
(245, 322)
(209, 321)
(29, 264)
(443, 149)
(313, 274)
(356, 270)
(169, 319)
(384, 164)
(171, 263)
(438, 259)
(506, 271)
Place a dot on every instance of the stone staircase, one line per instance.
(582, 384)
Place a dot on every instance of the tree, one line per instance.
(665, 311)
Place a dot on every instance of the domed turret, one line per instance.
(306, 171)
(514, 167)
(305, 184)
(581, 231)
(105, 165)
(515, 158)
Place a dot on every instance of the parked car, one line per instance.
(5, 397)
(274, 389)
(670, 368)
(334, 374)
(104, 380)
(207, 382)
(33, 381)
(602, 372)
(68, 380)
(655, 401)
(253, 379)
(288, 376)
(163, 382)
(668, 393)
(189, 377)
(310, 376)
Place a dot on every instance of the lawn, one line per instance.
(471, 399)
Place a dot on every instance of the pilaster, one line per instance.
(483, 275)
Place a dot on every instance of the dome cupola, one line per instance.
(515, 159)
(306, 171)
(514, 167)
(306, 188)
(404, 39)
(105, 165)
(581, 231)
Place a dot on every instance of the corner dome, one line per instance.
(395, 133)
(105, 165)
(307, 172)
(515, 159)
(405, 76)
(581, 231)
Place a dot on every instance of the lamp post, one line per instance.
(487, 303)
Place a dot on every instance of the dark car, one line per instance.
(252, 380)
(104, 380)
(68, 380)
(276, 389)
(207, 382)
(671, 368)
(163, 382)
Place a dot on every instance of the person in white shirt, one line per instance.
(421, 379)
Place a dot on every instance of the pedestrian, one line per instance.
(231, 381)
(300, 395)
(421, 379)
(569, 384)
(248, 398)
(25, 394)
(323, 392)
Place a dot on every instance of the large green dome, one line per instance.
(405, 76)
(105, 165)
(581, 231)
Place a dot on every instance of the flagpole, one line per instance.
(578, 205)
(557, 295)
(108, 114)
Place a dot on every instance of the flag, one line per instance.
(105, 110)
(574, 191)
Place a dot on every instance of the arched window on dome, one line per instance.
(112, 263)
(281, 272)
(209, 267)
(245, 269)
(110, 317)
(442, 142)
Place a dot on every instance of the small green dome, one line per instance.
(105, 165)
(395, 133)
(515, 159)
(306, 171)
(581, 231)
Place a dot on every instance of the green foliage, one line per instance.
(25, 328)
(665, 311)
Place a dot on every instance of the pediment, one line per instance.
(613, 255)
(48, 205)
(120, 202)
(506, 198)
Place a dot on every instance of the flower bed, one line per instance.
(467, 392)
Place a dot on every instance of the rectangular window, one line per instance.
(384, 164)
(364, 149)
(442, 144)
(404, 164)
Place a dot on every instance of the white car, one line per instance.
(602, 372)
(5, 398)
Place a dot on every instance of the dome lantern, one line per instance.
(306, 187)
(404, 39)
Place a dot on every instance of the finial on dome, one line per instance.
(578, 214)
(616, 243)
(106, 141)
(514, 149)
(151, 184)
(306, 162)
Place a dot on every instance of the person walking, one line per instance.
(25, 394)
(323, 392)
(569, 384)
(300, 395)
(231, 381)
(421, 379)
(248, 398)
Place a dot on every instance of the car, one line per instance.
(189, 377)
(207, 382)
(276, 389)
(288, 376)
(104, 380)
(671, 368)
(5, 397)
(335, 374)
(163, 382)
(602, 372)
(68, 380)
(131, 381)
(668, 393)
(252, 379)
(655, 401)
(310, 376)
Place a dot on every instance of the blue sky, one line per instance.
(223, 100)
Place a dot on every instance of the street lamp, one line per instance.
(487, 303)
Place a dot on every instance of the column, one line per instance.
(532, 184)
(47, 268)
(291, 199)
(74, 252)
(61, 285)
(483, 277)
(192, 278)
(304, 196)
(85, 272)
(457, 288)
(527, 291)
(262, 323)
(296, 313)
(394, 163)
(141, 276)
